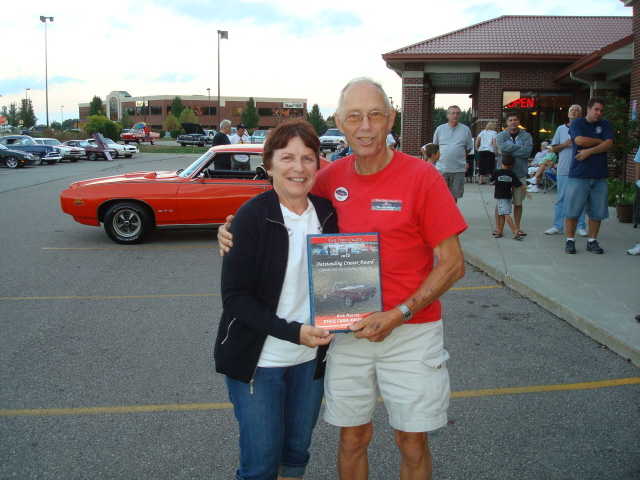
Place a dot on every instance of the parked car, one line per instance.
(131, 205)
(34, 131)
(195, 135)
(67, 152)
(349, 293)
(141, 132)
(95, 151)
(126, 151)
(25, 143)
(331, 139)
(16, 158)
(259, 136)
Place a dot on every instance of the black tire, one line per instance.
(348, 301)
(126, 143)
(38, 160)
(153, 142)
(115, 155)
(140, 140)
(12, 162)
(183, 144)
(93, 156)
(51, 162)
(128, 156)
(73, 160)
(127, 223)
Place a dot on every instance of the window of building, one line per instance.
(143, 110)
(129, 110)
(541, 113)
(113, 109)
(156, 110)
(266, 112)
(236, 111)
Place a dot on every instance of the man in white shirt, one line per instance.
(240, 162)
(455, 142)
(391, 142)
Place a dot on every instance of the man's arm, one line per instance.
(225, 237)
(505, 145)
(588, 142)
(450, 268)
(587, 152)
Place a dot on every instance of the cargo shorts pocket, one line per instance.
(437, 361)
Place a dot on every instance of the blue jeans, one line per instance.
(276, 420)
(591, 192)
(558, 217)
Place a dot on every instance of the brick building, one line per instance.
(153, 109)
(537, 65)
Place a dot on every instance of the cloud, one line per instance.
(172, 77)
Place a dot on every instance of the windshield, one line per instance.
(2, 147)
(194, 166)
(51, 141)
(260, 133)
(333, 132)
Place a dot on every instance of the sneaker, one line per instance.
(593, 247)
(532, 189)
(531, 181)
(635, 250)
(552, 231)
(570, 247)
(582, 232)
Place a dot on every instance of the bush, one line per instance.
(176, 132)
(618, 194)
(162, 133)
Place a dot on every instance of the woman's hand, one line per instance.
(225, 238)
(314, 337)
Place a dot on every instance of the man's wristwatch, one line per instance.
(406, 312)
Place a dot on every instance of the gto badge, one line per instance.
(341, 194)
(78, 201)
(165, 211)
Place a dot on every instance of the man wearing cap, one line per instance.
(222, 161)
(240, 162)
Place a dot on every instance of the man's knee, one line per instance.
(412, 445)
(355, 439)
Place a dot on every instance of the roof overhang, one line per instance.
(614, 60)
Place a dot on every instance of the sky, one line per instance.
(170, 47)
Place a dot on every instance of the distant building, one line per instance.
(153, 109)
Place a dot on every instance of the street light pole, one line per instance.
(209, 107)
(61, 115)
(46, 73)
(222, 34)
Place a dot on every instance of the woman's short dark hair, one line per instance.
(280, 136)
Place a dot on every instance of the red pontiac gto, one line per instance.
(132, 204)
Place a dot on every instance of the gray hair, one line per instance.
(544, 144)
(454, 106)
(225, 123)
(576, 105)
(363, 80)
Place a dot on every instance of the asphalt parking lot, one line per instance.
(106, 368)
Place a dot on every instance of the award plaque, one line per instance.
(344, 279)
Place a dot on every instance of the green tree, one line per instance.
(70, 123)
(315, 119)
(127, 121)
(26, 113)
(624, 132)
(95, 106)
(177, 107)
(397, 123)
(187, 116)
(101, 124)
(331, 121)
(439, 116)
(250, 116)
(12, 115)
(171, 123)
(56, 125)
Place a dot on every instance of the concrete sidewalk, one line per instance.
(597, 294)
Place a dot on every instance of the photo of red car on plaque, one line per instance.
(344, 279)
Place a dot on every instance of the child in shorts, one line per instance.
(431, 153)
(504, 179)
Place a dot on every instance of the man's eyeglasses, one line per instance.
(374, 117)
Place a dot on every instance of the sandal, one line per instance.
(521, 233)
(497, 235)
(518, 237)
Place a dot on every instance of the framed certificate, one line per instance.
(344, 279)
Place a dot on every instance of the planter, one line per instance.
(624, 212)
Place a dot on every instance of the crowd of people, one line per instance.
(275, 361)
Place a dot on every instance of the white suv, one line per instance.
(330, 139)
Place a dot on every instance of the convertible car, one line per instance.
(349, 293)
(132, 204)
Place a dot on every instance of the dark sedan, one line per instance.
(26, 144)
(17, 159)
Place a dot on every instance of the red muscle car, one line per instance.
(132, 204)
(349, 293)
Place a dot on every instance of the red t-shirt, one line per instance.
(411, 207)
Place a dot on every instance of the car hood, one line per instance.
(127, 177)
(191, 128)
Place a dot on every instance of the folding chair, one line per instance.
(550, 180)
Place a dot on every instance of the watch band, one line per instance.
(406, 312)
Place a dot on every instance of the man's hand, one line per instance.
(225, 238)
(314, 337)
(377, 326)
(583, 154)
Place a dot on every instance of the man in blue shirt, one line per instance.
(591, 137)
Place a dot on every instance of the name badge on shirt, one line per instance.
(388, 205)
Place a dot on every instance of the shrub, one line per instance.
(618, 193)
(176, 132)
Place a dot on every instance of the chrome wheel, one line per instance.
(11, 162)
(127, 223)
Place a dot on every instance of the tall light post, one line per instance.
(222, 34)
(61, 115)
(26, 97)
(46, 73)
(209, 107)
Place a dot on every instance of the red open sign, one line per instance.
(521, 103)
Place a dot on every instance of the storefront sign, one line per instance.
(292, 105)
(521, 103)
